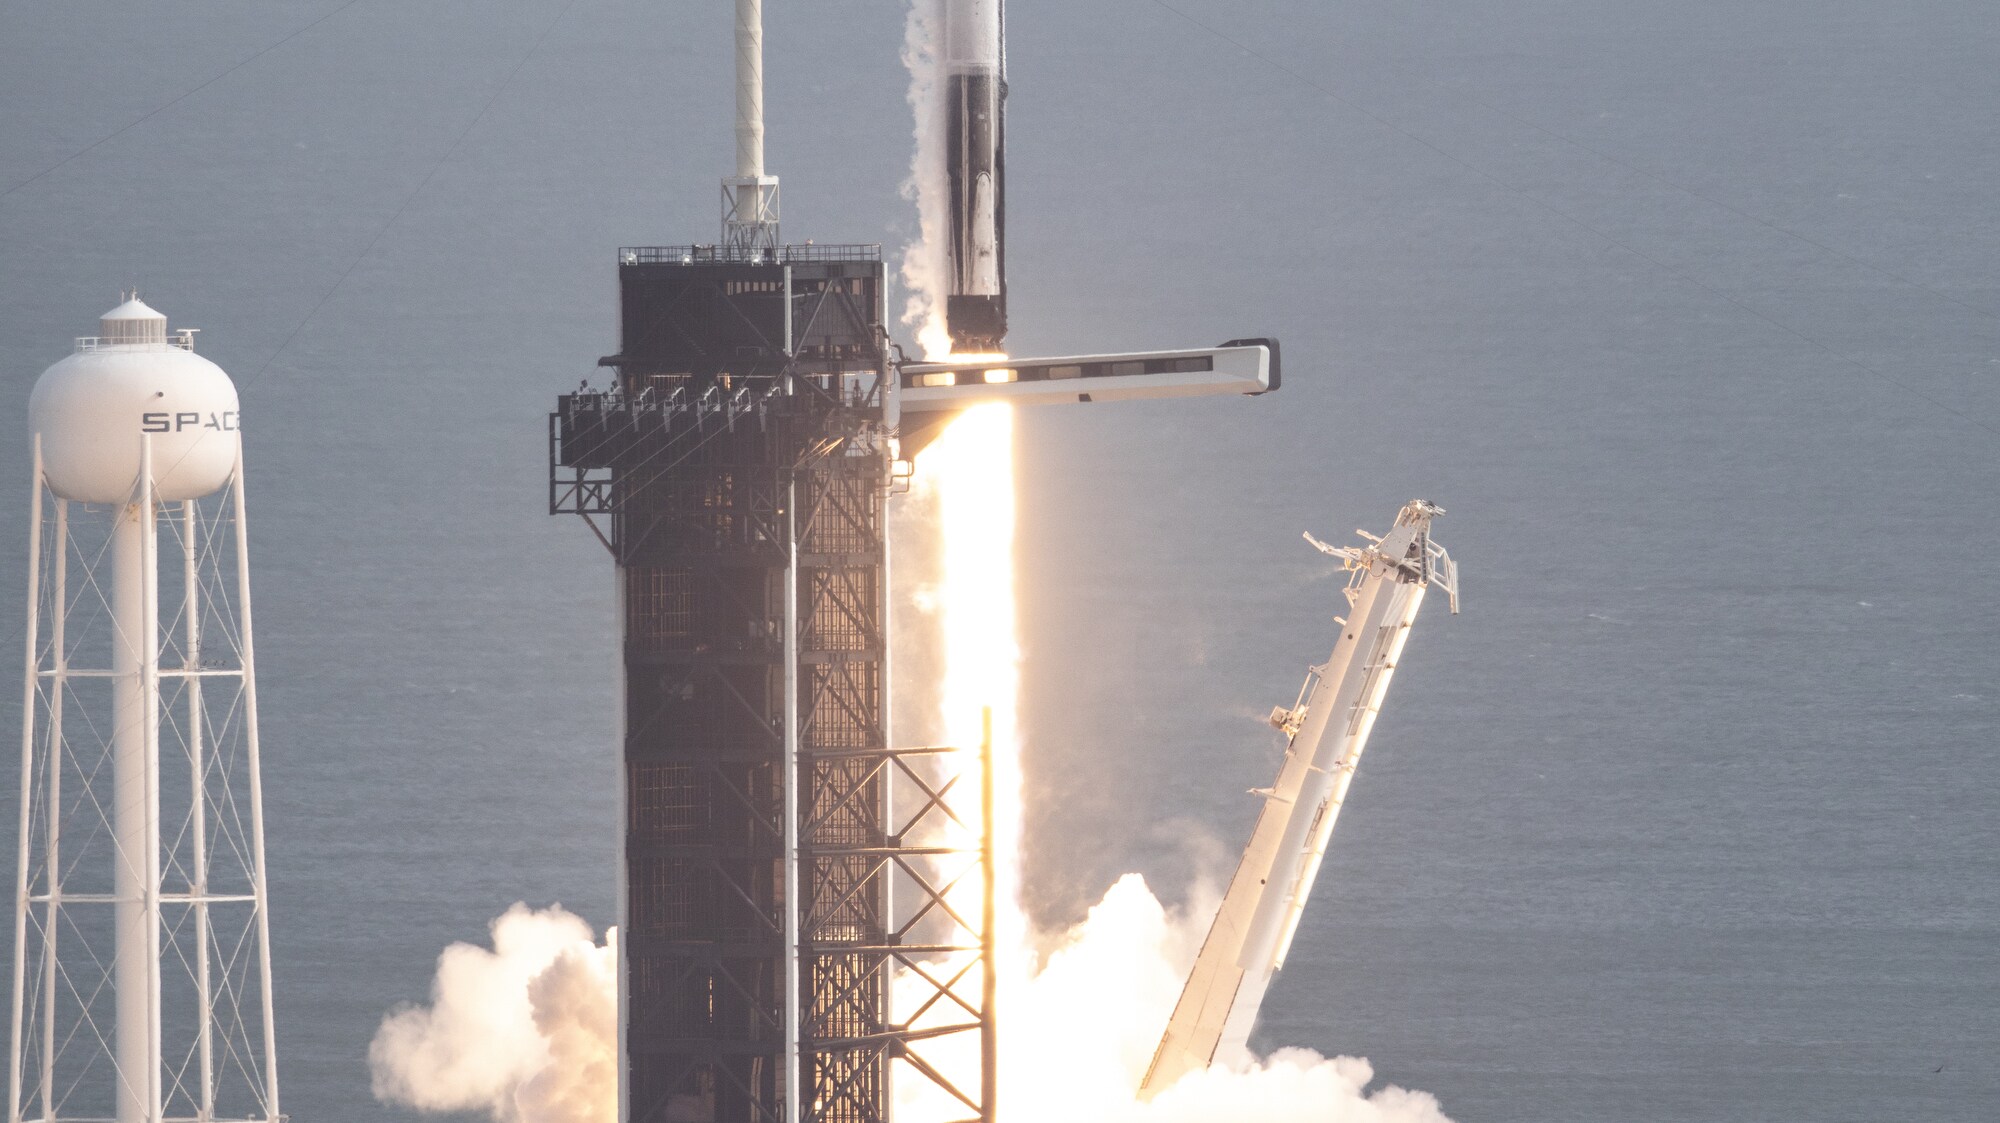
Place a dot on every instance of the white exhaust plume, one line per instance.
(1077, 1029)
(926, 271)
(1081, 1017)
(523, 1032)
(1084, 1029)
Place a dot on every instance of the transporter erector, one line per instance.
(1326, 729)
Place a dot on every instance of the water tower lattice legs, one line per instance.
(142, 954)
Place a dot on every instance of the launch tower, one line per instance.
(736, 476)
(737, 468)
(796, 921)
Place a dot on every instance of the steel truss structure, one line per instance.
(177, 758)
(1326, 729)
(790, 879)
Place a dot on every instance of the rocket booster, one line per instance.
(975, 90)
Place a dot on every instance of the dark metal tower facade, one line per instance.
(737, 466)
(738, 470)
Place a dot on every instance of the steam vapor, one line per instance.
(924, 266)
(1085, 1027)
(523, 1032)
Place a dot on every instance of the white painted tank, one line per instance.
(131, 381)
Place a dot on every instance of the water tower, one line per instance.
(142, 967)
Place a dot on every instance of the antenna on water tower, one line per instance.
(142, 964)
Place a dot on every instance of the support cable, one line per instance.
(149, 115)
(412, 196)
(452, 149)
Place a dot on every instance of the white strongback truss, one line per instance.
(1326, 730)
(142, 968)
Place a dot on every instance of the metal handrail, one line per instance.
(182, 338)
(734, 255)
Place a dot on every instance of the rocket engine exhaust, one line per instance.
(975, 91)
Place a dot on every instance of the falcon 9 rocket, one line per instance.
(975, 91)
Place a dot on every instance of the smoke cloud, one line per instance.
(523, 1032)
(526, 1032)
(1087, 1023)
(925, 268)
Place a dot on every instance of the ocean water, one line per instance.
(1689, 314)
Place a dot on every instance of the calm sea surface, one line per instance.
(1689, 313)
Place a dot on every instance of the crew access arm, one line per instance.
(1328, 727)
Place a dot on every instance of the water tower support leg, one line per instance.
(254, 760)
(28, 714)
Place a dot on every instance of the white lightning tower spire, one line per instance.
(142, 969)
(750, 198)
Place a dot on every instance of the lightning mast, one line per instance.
(750, 198)
(142, 967)
(1327, 729)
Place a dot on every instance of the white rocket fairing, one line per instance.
(1328, 726)
(975, 91)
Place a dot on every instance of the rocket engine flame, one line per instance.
(1078, 1028)
(1079, 1023)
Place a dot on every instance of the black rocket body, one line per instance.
(975, 89)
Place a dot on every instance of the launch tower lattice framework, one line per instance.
(739, 475)
(142, 968)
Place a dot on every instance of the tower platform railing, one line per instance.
(804, 253)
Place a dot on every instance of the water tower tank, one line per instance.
(131, 381)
